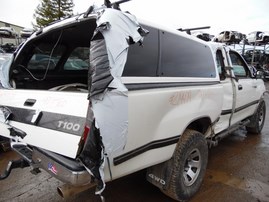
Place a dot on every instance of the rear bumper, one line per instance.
(64, 169)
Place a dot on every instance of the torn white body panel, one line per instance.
(122, 26)
(108, 95)
(111, 112)
(111, 115)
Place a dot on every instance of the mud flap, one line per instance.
(158, 175)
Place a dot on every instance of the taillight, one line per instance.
(85, 133)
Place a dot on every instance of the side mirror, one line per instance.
(259, 75)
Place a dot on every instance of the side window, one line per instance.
(220, 65)
(183, 57)
(239, 67)
(143, 60)
(78, 59)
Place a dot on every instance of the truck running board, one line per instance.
(214, 142)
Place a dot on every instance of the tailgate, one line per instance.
(52, 120)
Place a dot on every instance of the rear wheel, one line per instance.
(257, 120)
(188, 166)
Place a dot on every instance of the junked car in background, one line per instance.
(8, 32)
(202, 35)
(26, 32)
(258, 38)
(2, 50)
(229, 37)
(8, 47)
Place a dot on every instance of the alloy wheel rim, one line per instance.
(192, 167)
(261, 117)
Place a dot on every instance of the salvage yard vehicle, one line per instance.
(203, 36)
(8, 32)
(258, 38)
(229, 37)
(26, 32)
(158, 106)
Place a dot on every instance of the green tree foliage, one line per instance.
(51, 10)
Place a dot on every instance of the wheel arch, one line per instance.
(200, 124)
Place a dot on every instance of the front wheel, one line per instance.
(188, 166)
(257, 120)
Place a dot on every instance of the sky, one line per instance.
(240, 15)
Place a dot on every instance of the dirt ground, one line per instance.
(238, 170)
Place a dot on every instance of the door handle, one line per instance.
(240, 87)
(29, 102)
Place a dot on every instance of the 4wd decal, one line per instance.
(156, 178)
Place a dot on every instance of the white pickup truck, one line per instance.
(83, 101)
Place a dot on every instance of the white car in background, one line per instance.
(259, 37)
(26, 32)
(8, 32)
(229, 37)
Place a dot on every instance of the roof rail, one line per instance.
(188, 30)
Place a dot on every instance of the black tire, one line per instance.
(190, 157)
(257, 120)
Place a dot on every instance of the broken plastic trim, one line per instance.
(5, 113)
(16, 132)
(91, 156)
(92, 152)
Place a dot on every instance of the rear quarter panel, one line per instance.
(158, 115)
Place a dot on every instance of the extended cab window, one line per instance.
(183, 57)
(239, 66)
(143, 60)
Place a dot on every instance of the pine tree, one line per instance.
(51, 10)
